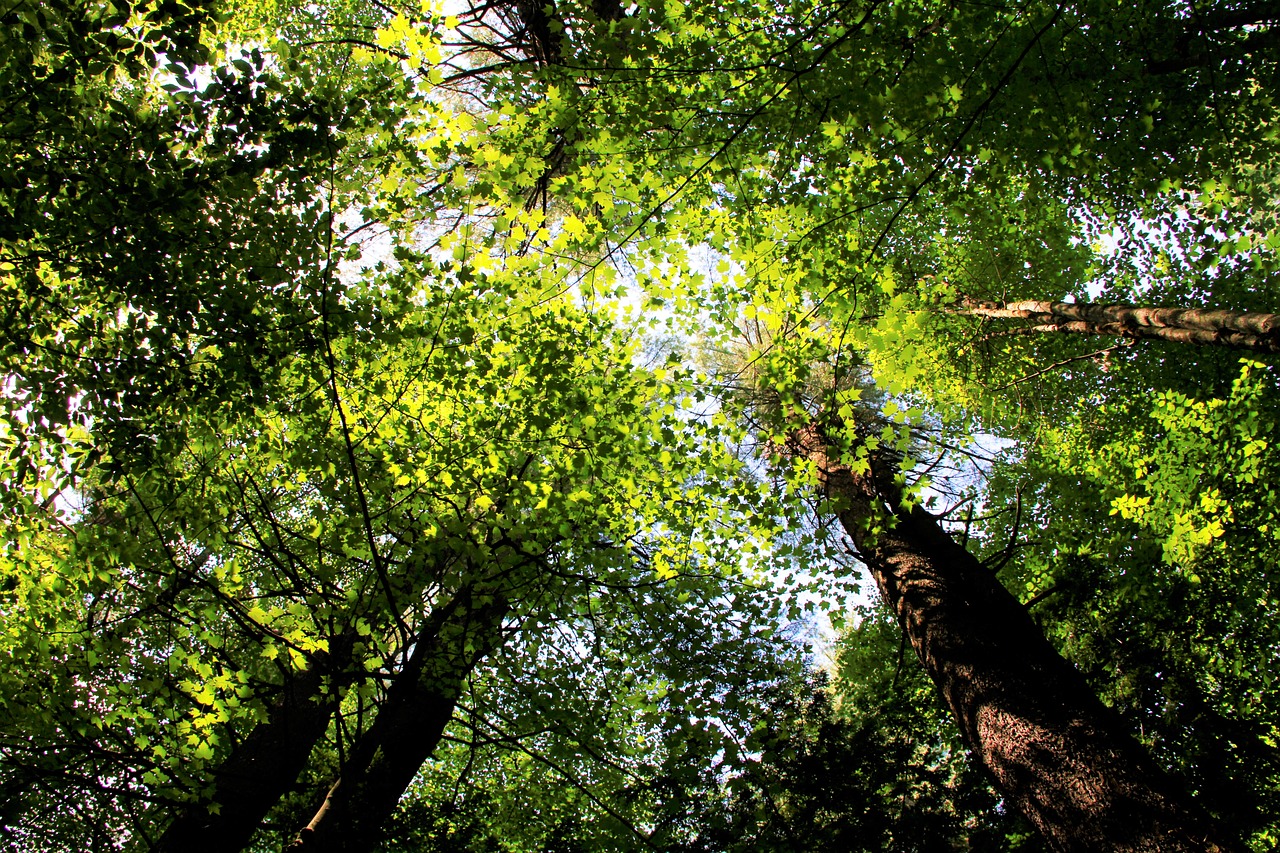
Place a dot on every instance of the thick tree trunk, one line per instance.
(407, 729)
(265, 765)
(1055, 751)
(1203, 326)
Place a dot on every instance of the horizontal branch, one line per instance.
(1253, 330)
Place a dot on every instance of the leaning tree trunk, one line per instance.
(1250, 330)
(1055, 751)
(265, 765)
(409, 725)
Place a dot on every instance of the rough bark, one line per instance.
(1055, 751)
(265, 765)
(1257, 331)
(408, 727)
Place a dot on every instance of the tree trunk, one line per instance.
(407, 729)
(1055, 751)
(264, 766)
(1203, 326)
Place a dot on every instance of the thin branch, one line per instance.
(331, 365)
(576, 783)
(998, 562)
(1063, 363)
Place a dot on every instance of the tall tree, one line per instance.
(244, 474)
(1054, 750)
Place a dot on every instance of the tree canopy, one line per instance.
(598, 426)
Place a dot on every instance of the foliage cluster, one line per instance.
(331, 331)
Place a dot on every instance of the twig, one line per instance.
(1062, 363)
